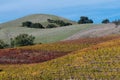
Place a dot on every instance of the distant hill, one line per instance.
(35, 18)
(13, 28)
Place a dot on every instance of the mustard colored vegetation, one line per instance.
(99, 62)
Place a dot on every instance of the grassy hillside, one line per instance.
(35, 18)
(13, 28)
(97, 31)
(43, 35)
(96, 62)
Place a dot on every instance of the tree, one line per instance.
(36, 25)
(85, 20)
(32, 25)
(23, 40)
(59, 22)
(105, 21)
(27, 24)
(51, 26)
(89, 21)
(3, 44)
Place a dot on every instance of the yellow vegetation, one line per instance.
(101, 62)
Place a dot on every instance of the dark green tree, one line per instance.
(23, 40)
(27, 24)
(51, 26)
(105, 21)
(59, 22)
(36, 25)
(89, 21)
(85, 20)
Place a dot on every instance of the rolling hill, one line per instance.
(98, 61)
(35, 18)
(13, 28)
(45, 52)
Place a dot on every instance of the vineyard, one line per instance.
(93, 58)
(45, 52)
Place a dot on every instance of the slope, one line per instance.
(35, 18)
(98, 31)
(46, 52)
(96, 62)
(42, 35)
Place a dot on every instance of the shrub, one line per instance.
(3, 44)
(105, 21)
(23, 40)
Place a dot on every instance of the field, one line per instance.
(45, 52)
(93, 58)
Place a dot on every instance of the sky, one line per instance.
(70, 9)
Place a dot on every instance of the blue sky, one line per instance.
(71, 9)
